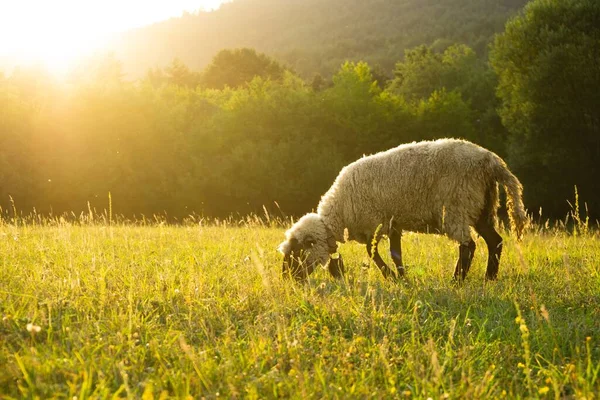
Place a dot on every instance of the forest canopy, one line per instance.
(249, 131)
(316, 36)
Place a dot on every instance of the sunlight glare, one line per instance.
(59, 33)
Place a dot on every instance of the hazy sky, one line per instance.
(56, 32)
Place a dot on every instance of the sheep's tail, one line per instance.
(514, 201)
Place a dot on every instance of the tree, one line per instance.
(102, 69)
(419, 74)
(547, 63)
(155, 77)
(443, 114)
(177, 73)
(424, 71)
(16, 136)
(352, 103)
(331, 32)
(317, 83)
(235, 68)
(457, 69)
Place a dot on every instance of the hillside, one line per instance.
(316, 36)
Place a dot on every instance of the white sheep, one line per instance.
(444, 186)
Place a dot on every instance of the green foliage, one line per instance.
(98, 311)
(547, 62)
(266, 144)
(180, 75)
(457, 69)
(352, 103)
(103, 69)
(15, 130)
(167, 146)
(177, 74)
(444, 114)
(235, 68)
(420, 74)
(316, 36)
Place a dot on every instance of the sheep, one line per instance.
(444, 187)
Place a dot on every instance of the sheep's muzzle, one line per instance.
(296, 267)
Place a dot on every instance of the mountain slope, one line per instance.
(315, 36)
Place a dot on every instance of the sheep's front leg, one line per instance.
(374, 255)
(336, 267)
(396, 249)
(466, 251)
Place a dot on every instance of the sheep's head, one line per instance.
(308, 243)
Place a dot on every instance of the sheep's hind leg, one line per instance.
(374, 255)
(466, 251)
(396, 249)
(494, 245)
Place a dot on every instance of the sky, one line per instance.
(56, 33)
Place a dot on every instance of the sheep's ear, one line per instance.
(309, 242)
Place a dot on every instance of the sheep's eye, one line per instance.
(310, 243)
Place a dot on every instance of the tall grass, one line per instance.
(95, 307)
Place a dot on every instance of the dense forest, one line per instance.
(249, 130)
(316, 36)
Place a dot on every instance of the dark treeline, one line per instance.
(247, 132)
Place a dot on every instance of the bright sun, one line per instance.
(56, 34)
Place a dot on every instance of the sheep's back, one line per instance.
(425, 186)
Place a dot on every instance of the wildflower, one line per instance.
(545, 313)
(521, 365)
(33, 328)
(544, 390)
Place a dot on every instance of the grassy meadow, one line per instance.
(99, 310)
